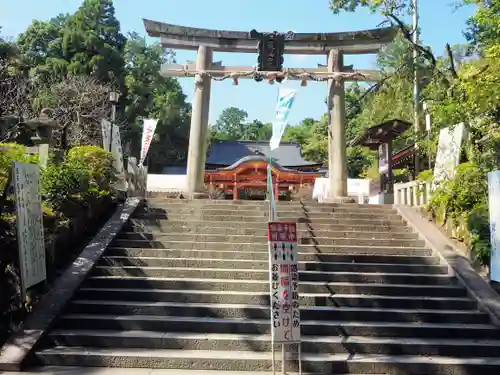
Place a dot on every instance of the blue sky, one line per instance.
(439, 21)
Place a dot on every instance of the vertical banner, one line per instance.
(106, 134)
(117, 152)
(30, 239)
(284, 282)
(286, 98)
(136, 178)
(494, 209)
(148, 131)
(448, 153)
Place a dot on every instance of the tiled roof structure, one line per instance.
(225, 153)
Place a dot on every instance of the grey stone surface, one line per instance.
(477, 287)
(194, 301)
(40, 320)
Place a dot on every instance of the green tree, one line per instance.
(93, 43)
(256, 131)
(230, 125)
(87, 42)
(483, 27)
(41, 48)
(384, 6)
(149, 95)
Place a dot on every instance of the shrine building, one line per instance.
(238, 169)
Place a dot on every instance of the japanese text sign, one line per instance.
(284, 282)
(29, 223)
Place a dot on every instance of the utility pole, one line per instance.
(416, 86)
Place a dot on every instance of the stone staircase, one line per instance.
(185, 286)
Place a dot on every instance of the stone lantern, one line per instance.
(42, 127)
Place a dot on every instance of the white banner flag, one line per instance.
(148, 131)
(285, 100)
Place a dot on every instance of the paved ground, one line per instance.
(119, 371)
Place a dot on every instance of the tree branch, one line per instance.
(449, 52)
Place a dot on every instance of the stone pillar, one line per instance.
(385, 167)
(337, 160)
(199, 125)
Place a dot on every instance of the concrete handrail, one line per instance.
(415, 193)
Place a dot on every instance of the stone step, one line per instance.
(263, 298)
(72, 370)
(165, 202)
(262, 343)
(242, 311)
(177, 207)
(141, 233)
(262, 216)
(134, 248)
(264, 256)
(248, 242)
(243, 275)
(330, 220)
(155, 285)
(168, 226)
(250, 325)
(262, 237)
(264, 212)
(198, 226)
(199, 262)
(262, 361)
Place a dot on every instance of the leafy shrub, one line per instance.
(10, 152)
(426, 176)
(65, 181)
(467, 189)
(463, 202)
(99, 164)
(479, 231)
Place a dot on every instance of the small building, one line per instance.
(225, 153)
(239, 168)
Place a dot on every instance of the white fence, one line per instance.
(167, 183)
(414, 193)
(356, 188)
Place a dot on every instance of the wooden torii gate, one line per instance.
(335, 73)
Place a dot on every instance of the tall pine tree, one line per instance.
(93, 43)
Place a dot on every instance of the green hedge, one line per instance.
(462, 205)
(76, 194)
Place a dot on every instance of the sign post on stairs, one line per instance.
(284, 289)
(26, 181)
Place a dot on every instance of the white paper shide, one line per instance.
(29, 223)
(284, 282)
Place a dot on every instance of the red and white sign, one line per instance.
(148, 131)
(284, 282)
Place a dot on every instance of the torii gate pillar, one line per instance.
(337, 160)
(199, 125)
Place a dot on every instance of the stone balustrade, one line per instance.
(413, 193)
